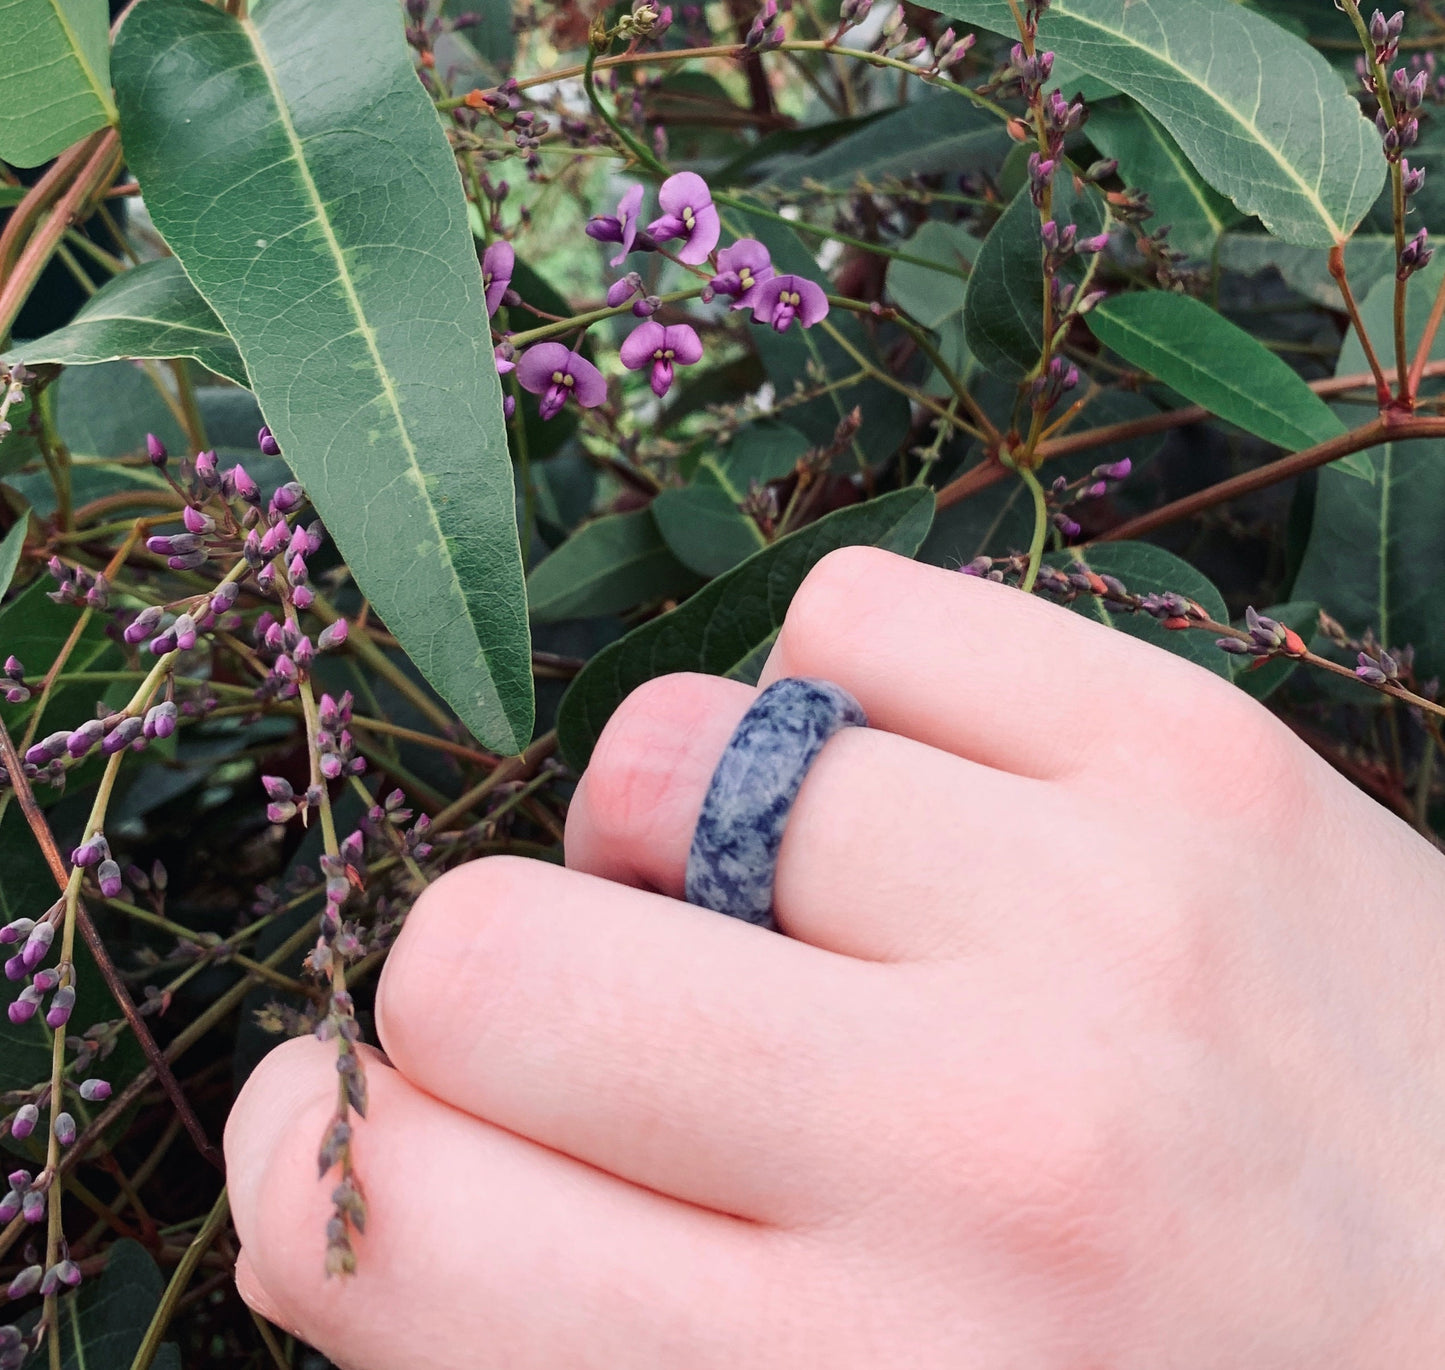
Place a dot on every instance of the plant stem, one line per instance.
(1041, 527)
(180, 1278)
(1337, 270)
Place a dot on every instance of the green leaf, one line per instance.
(1149, 158)
(703, 525)
(1261, 677)
(10, 550)
(104, 1322)
(150, 311)
(721, 628)
(1263, 117)
(1003, 318)
(1376, 553)
(935, 299)
(1182, 342)
(34, 627)
(299, 172)
(763, 451)
(1369, 257)
(1146, 569)
(54, 76)
(938, 133)
(609, 565)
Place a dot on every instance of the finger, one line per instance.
(892, 849)
(981, 670)
(681, 1050)
(481, 1249)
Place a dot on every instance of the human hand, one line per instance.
(1108, 1033)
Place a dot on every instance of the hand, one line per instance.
(1108, 1033)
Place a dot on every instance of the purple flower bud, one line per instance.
(303, 654)
(284, 668)
(121, 736)
(1115, 470)
(9, 1208)
(22, 1008)
(144, 624)
(45, 980)
(188, 561)
(1234, 646)
(266, 578)
(61, 1004)
(26, 1282)
(297, 570)
(647, 306)
(162, 643)
(333, 635)
(67, 1272)
(32, 1205)
(13, 669)
(24, 1121)
(287, 498)
(84, 738)
(331, 766)
(160, 719)
(267, 443)
(14, 931)
(245, 487)
(38, 943)
(108, 876)
(196, 521)
(44, 752)
(15, 968)
(206, 470)
(90, 853)
(17, 694)
(277, 787)
(509, 406)
(623, 290)
(155, 450)
(95, 1091)
(184, 629)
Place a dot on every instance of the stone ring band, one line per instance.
(734, 855)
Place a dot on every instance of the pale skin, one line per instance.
(1109, 1034)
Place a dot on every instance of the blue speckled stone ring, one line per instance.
(735, 845)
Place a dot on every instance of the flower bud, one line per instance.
(84, 738)
(333, 635)
(22, 1008)
(107, 875)
(196, 521)
(155, 450)
(26, 1282)
(64, 1123)
(62, 1002)
(160, 720)
(94, 1091)
(206, 470)
(267, 443)
(121, 736)
(287, 498)
(24, 1121)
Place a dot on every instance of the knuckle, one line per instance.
(826, 603)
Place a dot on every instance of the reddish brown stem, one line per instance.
(40, 197)
(1421, 362)
(1380, 430)
(1337, 270)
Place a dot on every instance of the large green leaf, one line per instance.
(1376, 554)
(609, 565)
(935, 298)
(150, 311)
(723, 628)
(1207, 359)
(703, 524)
(1003, 307)
(10, 549)
(938, 133)
(1369, 257)
(1150, 159)
(299, 172)
(1262, 115)
(54, 76)
(1146, 569)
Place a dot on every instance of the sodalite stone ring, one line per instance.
(734, 854)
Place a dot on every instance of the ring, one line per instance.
(734, 856)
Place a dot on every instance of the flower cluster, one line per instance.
(743, 272)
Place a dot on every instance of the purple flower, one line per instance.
(688, 213)
(741, 269)
(497, 263)
(553, 371)
(501, 355)
(621, 229)
(650, 344)
(781, 299)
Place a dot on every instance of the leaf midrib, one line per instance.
(353, 300)
(1154, 342)
(170, 325)
(1311, 194)
(102, 94)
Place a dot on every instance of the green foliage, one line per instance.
(1376, 555)
(1216, 364)
(54, 76)
(1295, 151)
(723, 628)
(352, 285)
(150, 311)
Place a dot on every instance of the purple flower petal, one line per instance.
(784, 298)
(497, 263)
(685, 190)
(639, 345)
(627, 210)
(684, 344)
(706, 230)
(537, 363)
(590, 385)
(553, 371)
(742, 267)
(504, 364)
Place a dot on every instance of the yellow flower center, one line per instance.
(745, 276)
(688, 218)
(791, 297)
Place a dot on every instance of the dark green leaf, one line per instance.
(10, 550)
(1376, 554)
(775, 155)
(104, 1323)
(1261, 114)
(1149, 158)
(1369, 257)
(721, 627)
(1146, 569)
(1197, 352)
(481, 53)
(761, 452)
(330, 236)
(937, 133)
(609, 565)
(1003, 320)
(34, 628)
(935, 299)
(54, 76)
(149, 311)
(703, 525)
